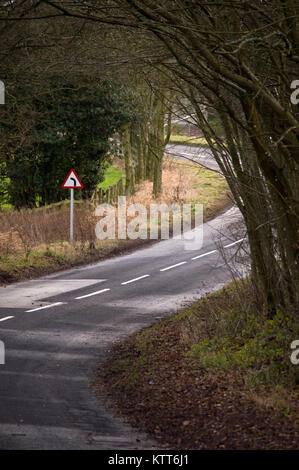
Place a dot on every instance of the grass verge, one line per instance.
(187, 140)
(60, 256)
(190, 141)
(215, 376)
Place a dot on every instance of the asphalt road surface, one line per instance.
(201, 155)
(56, 328)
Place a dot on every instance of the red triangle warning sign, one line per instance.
(72, 181)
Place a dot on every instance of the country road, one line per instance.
(56, 328)
(201, 155)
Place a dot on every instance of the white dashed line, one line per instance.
(234, 243)
(130, 281)
(205, 254)
(173, 266)
(45, 306)
(6, 318)
(133, 280)
(92, 293)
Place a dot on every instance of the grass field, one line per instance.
(112, 176)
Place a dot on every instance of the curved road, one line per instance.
(201, 155)
(56, 328)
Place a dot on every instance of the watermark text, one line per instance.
(140, 222)
(295, 354)
(2, 353)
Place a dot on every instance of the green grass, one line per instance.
(112, 175)
(37, 262)
(6, 207)
(240, 339)
(187, 140)
(191, 141)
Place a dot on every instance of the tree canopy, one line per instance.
(238, 58)
(70, 127)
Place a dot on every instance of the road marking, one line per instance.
(45, 306)
(173, 266)
(133, 280)
(204, 254)
(92, 293)
(6, 318)
(234, 243)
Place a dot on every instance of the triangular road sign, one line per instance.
(72, 181)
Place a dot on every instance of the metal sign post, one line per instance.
(72, 181)
(72, 215)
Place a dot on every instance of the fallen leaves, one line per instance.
(164, 396)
